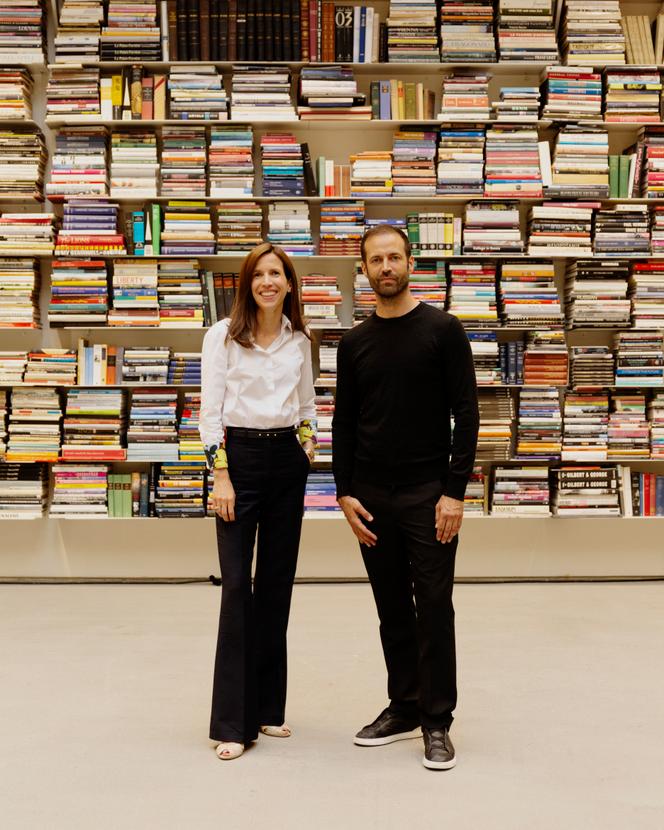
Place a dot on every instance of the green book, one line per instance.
(413, 232)
(614, 184)
(111, 495)
(410, 99)
(623, 176)
(375, 99)
(156, 228)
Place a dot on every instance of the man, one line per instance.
(400, 480)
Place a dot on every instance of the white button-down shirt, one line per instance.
(254, 388)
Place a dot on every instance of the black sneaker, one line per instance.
(438, 749)
(386, 729)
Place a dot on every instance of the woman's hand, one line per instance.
(310, 450)
(222, 498)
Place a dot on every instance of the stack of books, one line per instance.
(526, 31)
(413, 163)
(587, 491)
(460, 168)
(320, 493)
(78, 166)
(330, 92)
(586, 420)
(230, 159)
(19, 294)
(99, 364)
(517, 104)
(324, 386)
(187, 229)
(181, 298)
(629, 429)
(512, 168)
(51, 367)
(472, 294)
(26, 233)
(371, 173)
(34, 425)
(475, 499)
(632, 95)
(648, 295)
(3, 423)
(145, 364)
(592, 367)
(640, 358)
(649, 164)
(23, 490)
(79, 490)
(289, 226)
(465, 97)
(239, 226)
(561, 229)
(79, 27)
(528, 294)
(261, 93)
(466, 31)
(134, 164)
(135, 298)
(196, 94)
(184, 369)
(73, 92)
(511, 362)
(656, 418)
(521, 491)
(79, 292)
(183, 162)
(131, 32)
(434, 234)
(190, 446)
(486, 358)
(545, 361)
(592, 33)
(180, 490)
(412, 35)
(657, 230)
(540, 424)
(622, 171)
(596, 294)
(341, 228)
(397, 100)
(90, 228)
(152, 430)
(283, 165)
(622, 230)
(22, 45)
(15, 94)
(12, 367)
(573, 93)
(428, 282)
(492, 227)
(580, 165)
(494, 442)
(321, 299)
(22, 163)
(93, 425)
(333, 178)
(128, 495)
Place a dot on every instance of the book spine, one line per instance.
(297, 33)
(232, 29)
(136, 90)
(155, 208)
(182, 31)
(214, 30)
(242, 30)
(268, 16)
(260, 33)
(222, 31)
(172, 10)
(147, 98)
(204, 29)
(193, 29)
(304, 30)
(287, 31)
(327, 37)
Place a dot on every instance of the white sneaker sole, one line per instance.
(438, 764)
(388, 739)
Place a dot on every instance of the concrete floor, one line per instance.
(105, 694)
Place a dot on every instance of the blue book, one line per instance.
(363, 33)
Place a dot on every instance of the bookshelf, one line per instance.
(551, 546)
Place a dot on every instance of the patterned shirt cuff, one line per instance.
(216, 457)
(308, 431)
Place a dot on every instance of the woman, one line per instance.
(257, 392)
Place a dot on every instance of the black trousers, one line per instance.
(269, 477)
(412, 577)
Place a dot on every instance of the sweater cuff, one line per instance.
(455, 487)
(343, 489)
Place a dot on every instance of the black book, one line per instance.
(343, 33)
(219, 302)
(183, 39)
(286, 31)
(277, 31)
(382, 42)
(251, 50)
(193, 29)
(296, 30)
(222, 30)
(207, 315)
(260, 32)
(309, 178)
(241, 30)
(268, 14)
(214, 30)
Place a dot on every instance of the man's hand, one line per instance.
(449, 514)
(222, 498)
(352, 511)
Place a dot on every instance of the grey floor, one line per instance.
(105, 696)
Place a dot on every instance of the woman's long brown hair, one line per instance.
(243, 323)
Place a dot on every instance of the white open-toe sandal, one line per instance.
(227, 751)
(283, 731)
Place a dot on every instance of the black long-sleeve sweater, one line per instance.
(398, 381)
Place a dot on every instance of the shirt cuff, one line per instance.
(308, 431)
(216, 457)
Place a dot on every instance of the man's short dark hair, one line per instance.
(378, 229)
